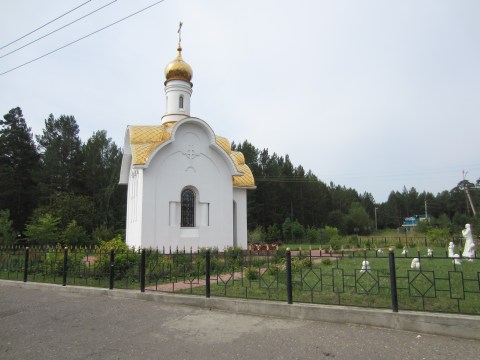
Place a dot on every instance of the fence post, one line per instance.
(142, 271)
(25, 268)
(112, 267)
(288, 254)
(65, 259)
(207, 273)
(393, 279)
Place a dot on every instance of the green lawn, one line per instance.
(439, 286)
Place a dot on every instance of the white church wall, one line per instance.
(134, 208)
(188, 162)
(125, 169)
(240, 198)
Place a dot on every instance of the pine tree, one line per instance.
(61, 155)
(101, 173)
(19, 160)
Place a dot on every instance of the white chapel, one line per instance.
(186, 187)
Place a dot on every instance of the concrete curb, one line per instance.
(455, 325)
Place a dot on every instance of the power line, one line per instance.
(83, 37)
(60, 28)
(407, 174)
(285, 179)
(51, 21)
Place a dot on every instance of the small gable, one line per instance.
(144, 140)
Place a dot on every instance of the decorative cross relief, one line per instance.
(190, 153)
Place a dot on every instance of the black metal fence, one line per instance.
(365, 278)
(403, 240)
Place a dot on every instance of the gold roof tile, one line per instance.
(141, 152)
(246, 180)
(238, 157)
(145, 139)
(223, 143)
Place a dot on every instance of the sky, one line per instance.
(373, 95)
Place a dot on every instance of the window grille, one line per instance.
(188, 208)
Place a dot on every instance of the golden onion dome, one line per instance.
(178, 69)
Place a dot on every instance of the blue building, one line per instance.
(410, 223)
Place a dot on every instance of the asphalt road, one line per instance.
(49, 324)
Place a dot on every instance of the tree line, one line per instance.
(291, 203)
(56, 188)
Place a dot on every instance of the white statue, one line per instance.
(451, 254)
(469, 248)
(405, 251)
(457, 260)
(429, 252)
(365, 266)
(380, 251)
(451, 249)
(415, 264)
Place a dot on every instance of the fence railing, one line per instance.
(367, 278)
(406, 240)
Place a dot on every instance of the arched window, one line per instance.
(188, 208)
(180, 102)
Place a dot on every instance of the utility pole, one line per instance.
(467, 193)
(376, 226)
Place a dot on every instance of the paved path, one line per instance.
(49, 324)
(195, 282)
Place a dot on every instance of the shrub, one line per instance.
(292, 230)
(256, 236)
(422, 227)
(312, 234)
(438, 237)
(335, 244)
(298, 230)
(7, 235)
(54, 260)
(330, 233)
(44, 230)
(117, 244)
(250, 274)
(273, 234)
(102, 233)
(327, 262)
(350, 241)
(233, 257)
(272, 270)
(280, 252)
(74, 234)
(306, 262)
(215, 263)
(299, 263)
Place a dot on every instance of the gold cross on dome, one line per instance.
(179, 33)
